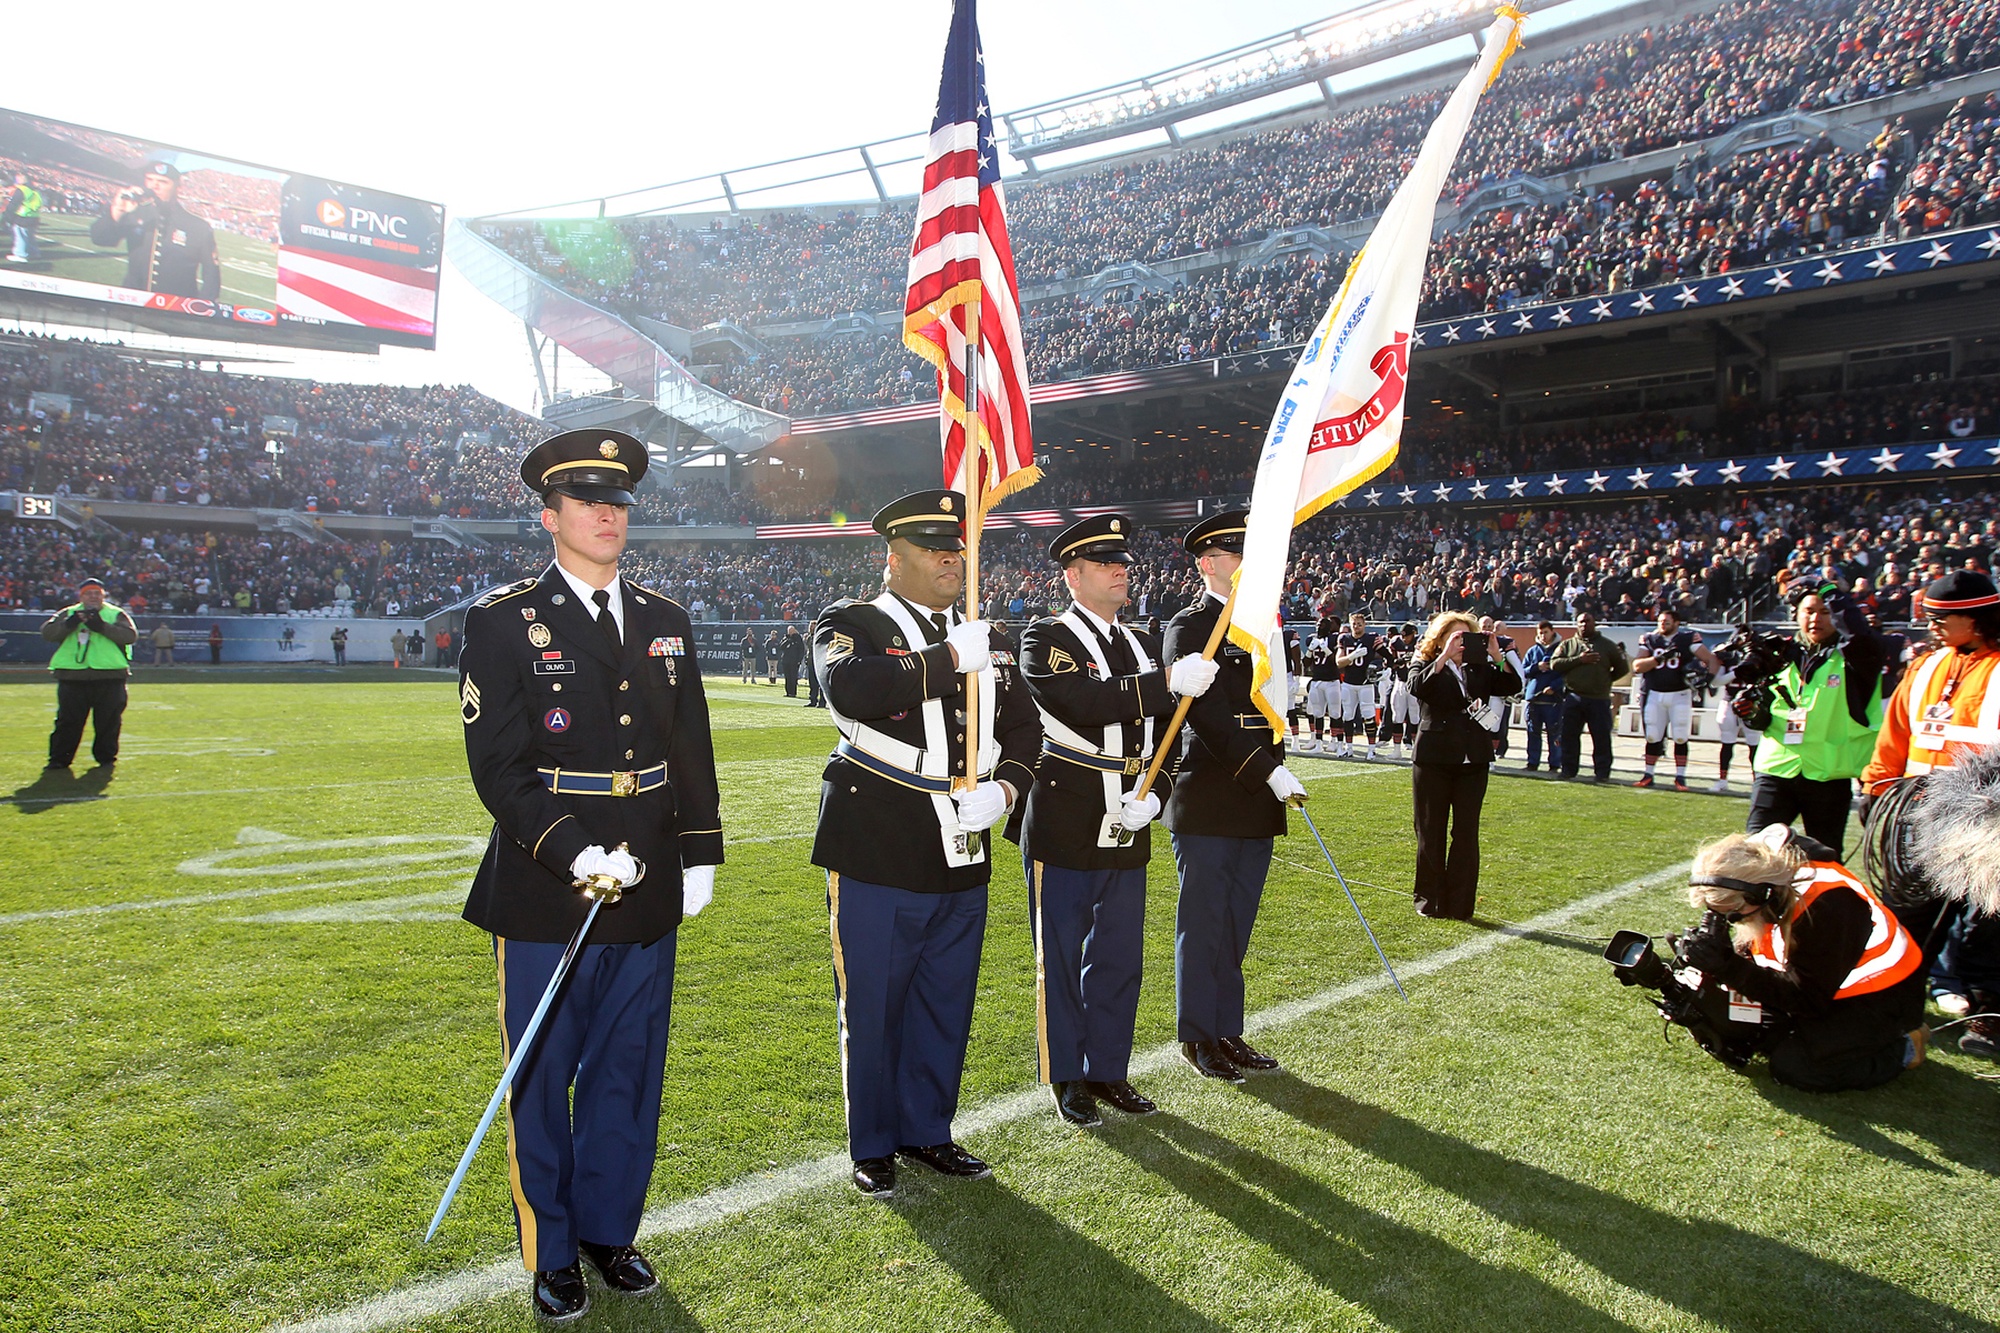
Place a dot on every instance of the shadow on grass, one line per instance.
(1035, 1272)
(616, 1312)
(58, 786)
(1405, 1277)
(1946, 1107)
(1595, 948)
(1733, 1278)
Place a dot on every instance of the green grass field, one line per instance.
(249, 267)
(248, 1037)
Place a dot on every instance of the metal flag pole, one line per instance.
(600, 889)
(1300, 807)
(969, 472)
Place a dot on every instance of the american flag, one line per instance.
(961, 262)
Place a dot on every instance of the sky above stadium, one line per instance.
(570, 102)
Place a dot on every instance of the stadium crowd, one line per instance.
(1955, 180)
(1680, 83)
(168, 434)
(1703, 219)
(1616, 560)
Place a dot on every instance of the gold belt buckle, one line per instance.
(624, 784)
(1134, 767)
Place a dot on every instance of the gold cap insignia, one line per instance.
(1114, 525)
(608, 449)
(945, 504)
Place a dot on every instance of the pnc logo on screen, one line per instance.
(331, 214)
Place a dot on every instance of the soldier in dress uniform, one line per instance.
(1100, 686)
(586, 729)
(1227, 805)
(907, 857)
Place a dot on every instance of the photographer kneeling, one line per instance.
(1814, 945)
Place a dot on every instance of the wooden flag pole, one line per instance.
(1187, 700)
(974, 520)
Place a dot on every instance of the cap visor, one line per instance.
(934, 541)
(603, 495)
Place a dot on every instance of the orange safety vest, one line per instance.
(1922, 730)
(1891, 953)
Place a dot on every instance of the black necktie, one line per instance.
(937, 619)
(605, 620)
(1118, 657)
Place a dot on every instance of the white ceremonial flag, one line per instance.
(1341, 416)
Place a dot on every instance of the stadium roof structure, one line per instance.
(1311, 55)
(665, 397)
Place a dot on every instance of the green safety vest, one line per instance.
(1831, 744)
(29, 204)
(100, 654)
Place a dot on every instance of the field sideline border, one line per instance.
(504, 1277)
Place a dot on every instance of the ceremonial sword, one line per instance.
(600, 889)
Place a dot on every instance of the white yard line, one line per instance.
(505, 1277)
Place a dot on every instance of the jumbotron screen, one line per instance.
(203, 246)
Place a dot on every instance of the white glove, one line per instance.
(1191, 676)
(1137, 814)
(697, 889)
(594, 860)
(968, 644)
(982, 807)
(1283, 785)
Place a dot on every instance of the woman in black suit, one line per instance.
(1458, 674)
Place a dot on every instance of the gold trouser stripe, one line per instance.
(528, 1223)
(840, 975)
(1041, 979)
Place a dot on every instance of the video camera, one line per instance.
(1720, 1024)
(1754, 658)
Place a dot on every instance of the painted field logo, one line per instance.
(328, 865)
(266, 855)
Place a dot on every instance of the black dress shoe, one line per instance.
(948, 1159)
(560, 1294)
(1244, 1056)
(1122, 1096)
(876, 1177)
(1208, 1057)
(622, 1267)
(1073, 1101)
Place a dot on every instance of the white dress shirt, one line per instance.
(588, 596)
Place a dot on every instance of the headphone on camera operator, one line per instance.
(1798, 960)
